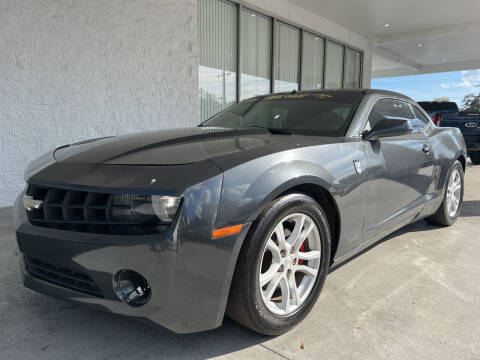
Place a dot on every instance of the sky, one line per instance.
(454, 85)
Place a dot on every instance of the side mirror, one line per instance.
(389, 126)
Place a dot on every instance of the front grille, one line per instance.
(85, 211)
(471, 139)
(61, 276)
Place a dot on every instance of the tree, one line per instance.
(471, 103)
(442, 99)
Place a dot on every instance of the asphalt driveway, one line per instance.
(414, 296)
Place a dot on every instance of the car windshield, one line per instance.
(316, 113)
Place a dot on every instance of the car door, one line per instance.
(400, 169)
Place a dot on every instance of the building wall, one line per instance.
(77, 69)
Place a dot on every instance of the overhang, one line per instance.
(410, 36)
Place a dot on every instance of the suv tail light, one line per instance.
(436, 119)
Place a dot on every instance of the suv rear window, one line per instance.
(432, 106)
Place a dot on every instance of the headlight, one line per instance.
(154, 209)
(146, 214)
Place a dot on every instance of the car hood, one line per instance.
(184, 146)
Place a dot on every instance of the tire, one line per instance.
(445, 216)
(475, 157)
(261, 255)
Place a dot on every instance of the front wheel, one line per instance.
(451, 206)
(282, 266)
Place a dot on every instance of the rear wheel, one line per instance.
(282, 266)
(475, 157)
(451, 206)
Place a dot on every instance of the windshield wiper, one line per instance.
(272, 130)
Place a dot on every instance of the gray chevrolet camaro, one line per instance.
(242, 215)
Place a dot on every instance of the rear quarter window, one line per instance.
(420, 121)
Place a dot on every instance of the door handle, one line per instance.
(426, 148)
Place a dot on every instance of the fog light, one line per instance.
(131, 287)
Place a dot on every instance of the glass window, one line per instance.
(420, 121)
(389, 107)
(434, 106)
(322, 63)
(333, 66)
(352, 69)
(287, 51)
(218, 55)
(325, 114)
(312, 62)
(256, 54)
(420, 116)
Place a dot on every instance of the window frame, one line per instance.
(302, 49)
(325, 57)
(360, 70)
(299, 53)
(235, 46)
(240, 49)
(366, 122)
(240, 4)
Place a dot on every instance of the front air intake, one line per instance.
(61, 276)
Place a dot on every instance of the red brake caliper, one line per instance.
(302, 249)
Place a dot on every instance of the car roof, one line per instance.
(350, 91)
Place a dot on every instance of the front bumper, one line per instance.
(472, 142)
(188, 272)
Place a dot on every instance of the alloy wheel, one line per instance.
(290, 264)
(454, 192)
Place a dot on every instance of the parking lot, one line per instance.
(414, 295)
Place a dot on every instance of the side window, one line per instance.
(388, 107)
(421, 120)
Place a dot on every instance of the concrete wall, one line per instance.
(77, 69)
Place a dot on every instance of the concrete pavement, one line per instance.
(415, 295)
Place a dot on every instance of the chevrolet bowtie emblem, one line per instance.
(358, 166)
(30, 204)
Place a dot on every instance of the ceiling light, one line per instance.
(254, 15)
(443, 59)
(316, 38)
(419, 44)
(386, 25)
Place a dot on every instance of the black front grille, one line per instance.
(62, 276)
(85, 211)
(471, 139)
